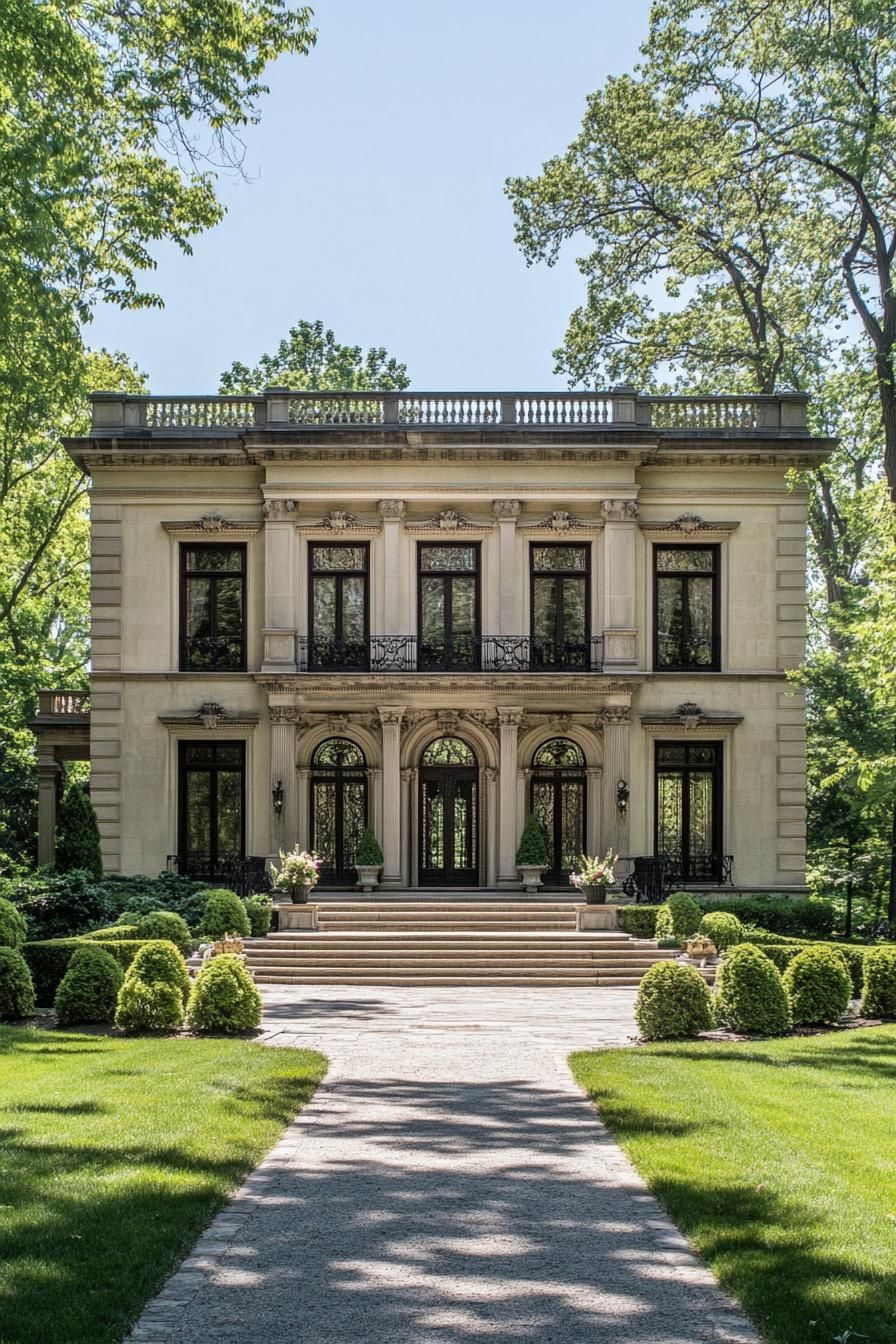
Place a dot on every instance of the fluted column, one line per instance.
(390, 719)
(285, 827)
(594, 841)
(47, 783)
(303, 825)
(507, 511)
(392, 511)
(508, 732)
(617, 740)
(620, 597)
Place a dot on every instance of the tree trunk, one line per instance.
(883, 365)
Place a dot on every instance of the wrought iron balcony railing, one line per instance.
(486, 653)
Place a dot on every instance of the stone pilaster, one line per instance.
(280, 596)
(285, 827)
(620, 622)
(508, 732)
(617, 755)
(392, 511)
(390, 719)
(507, 511)
(47, 781)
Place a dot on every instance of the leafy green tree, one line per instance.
(77, 834)
(310, 359)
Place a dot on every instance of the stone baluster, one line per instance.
(390, 719)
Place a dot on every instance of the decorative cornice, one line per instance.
(447, 522)
(212, 718)
(561, 522)
(689, 525)
(338, 523)
(212, 525)
(475, 686)
(691, 718)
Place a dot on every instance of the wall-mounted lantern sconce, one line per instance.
(277, 797)
(622, 797)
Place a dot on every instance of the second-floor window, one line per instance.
(686, 608)
(560, 619)
(339, 619)
(448, 617)
(213, 608)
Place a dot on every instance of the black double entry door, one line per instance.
(449, 815)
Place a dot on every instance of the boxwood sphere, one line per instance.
(673, 1001)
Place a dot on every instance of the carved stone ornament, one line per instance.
(506, 508)
(392, 508)
(282, 714)
(339, 520)
(212, 521)
(690, 714)
(619, 510)
(560, 521)
(390, 714)
(616, 714)
(210, 713)
(688, 523)
(276, 510)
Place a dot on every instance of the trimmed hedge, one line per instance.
(259, 908)
(638, 920)
(750, 994)
(722, 929)
(782, 954)
(48, 961)
(224, 997)
(117, 932)
(16, 987)
(166, 924)
(13, 930)
(224, 913)
(799, 916)
(879, 985)
(679, 917)
(819, 985)
(673, 1002)
(88, 991)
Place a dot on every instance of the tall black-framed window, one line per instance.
(560, 585)
(211, 808)
(448, 622)
(688, 830)
(557, 799)
(338, 603)
(686, 608)
(338, 807)
(212, 607)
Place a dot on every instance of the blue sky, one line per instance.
(375, 199)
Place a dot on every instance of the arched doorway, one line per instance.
(558, 801)
(338, 807)
(449, 814)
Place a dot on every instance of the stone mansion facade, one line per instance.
(434, 614)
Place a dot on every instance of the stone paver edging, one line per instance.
(447, 1182)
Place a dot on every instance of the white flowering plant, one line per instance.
(297, 869)
(594, 871)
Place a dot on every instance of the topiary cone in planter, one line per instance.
(532, 854)
(368, 860)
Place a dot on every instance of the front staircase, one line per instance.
(436, 941)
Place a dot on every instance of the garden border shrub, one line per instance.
(88, 992)
(879, 983)
(13, 928)
(16, 985)
(224, 997)
(224, 913)
(819, 984)
(750, 994)
(48, 960)
(679, 917)
(722, 929)
(673, 1003)
(782, 954)
(804, 916)
(638, 920)
(260, 910)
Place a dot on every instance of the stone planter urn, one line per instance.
(596, 895)
(368, 875)
(530, 876)
(299, 895)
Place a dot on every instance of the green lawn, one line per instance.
(115, 1153)
(778, 1160)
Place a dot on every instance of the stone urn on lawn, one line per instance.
(297, 875)
(593, 876)
(532, 855)
(368, 860)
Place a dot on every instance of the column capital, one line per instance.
(509, 717)
(616, 714)
(282, 714)
(390, 714)
(391, 509)
(506, 510)
(619, 510)
(279, 510)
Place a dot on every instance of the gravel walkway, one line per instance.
(448, 1182)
